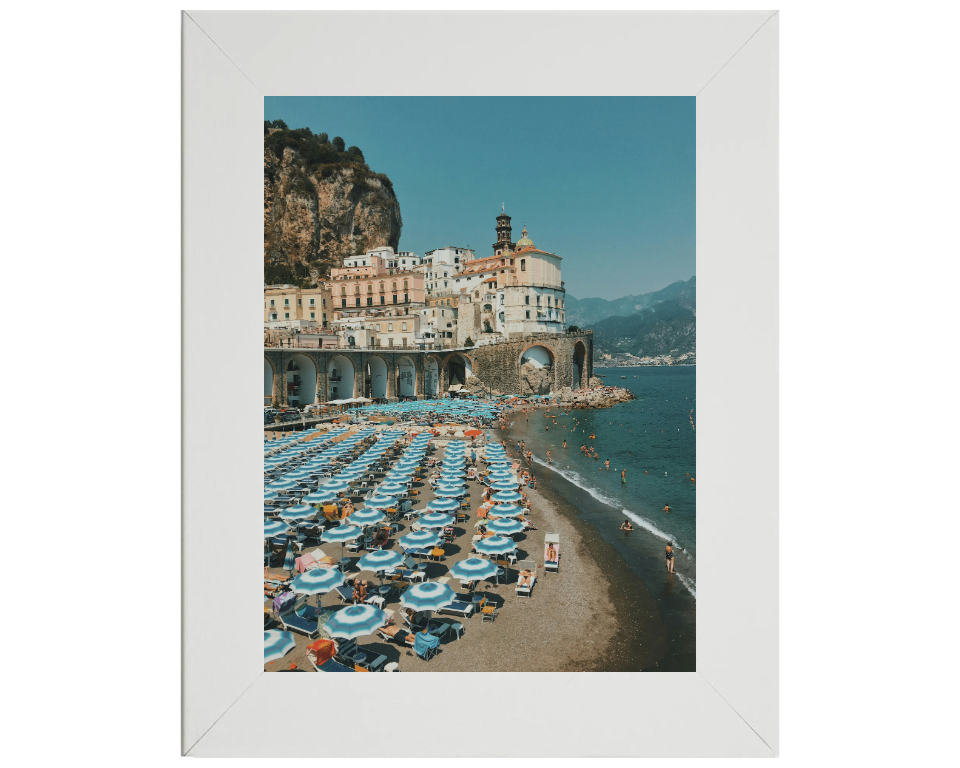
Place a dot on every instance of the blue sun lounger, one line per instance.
(333, 666)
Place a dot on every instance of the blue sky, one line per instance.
(609, 184)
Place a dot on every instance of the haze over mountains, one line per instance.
(657, 323)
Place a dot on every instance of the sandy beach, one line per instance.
(587, 617)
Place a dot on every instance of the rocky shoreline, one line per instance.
(596, 395)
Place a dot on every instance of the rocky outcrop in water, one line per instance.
(595, 396)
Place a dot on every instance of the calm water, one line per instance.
(653, 439)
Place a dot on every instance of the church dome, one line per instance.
(524, 241)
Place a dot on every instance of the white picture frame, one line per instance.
(729, 61)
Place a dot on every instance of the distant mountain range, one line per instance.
(658, 323)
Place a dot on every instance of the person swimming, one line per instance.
(666, 508)
(626, 526)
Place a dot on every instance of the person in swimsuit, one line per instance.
(626, 526)
(666, 508)
(607, 462)
(564, 443)
(623, 477)
(669, 559)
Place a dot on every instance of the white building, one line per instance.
(441, 264)
(404, 261)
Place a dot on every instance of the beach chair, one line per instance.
(551, 557)
(463, 608)
(489, 611)
(297, 616)
(529, 565)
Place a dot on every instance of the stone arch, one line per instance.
(537, 369)
(579, 364)
(341, 374)
(431, 375)
(406, 377)
(458, 367)
(300, 380)
(378, 372)
(267, 381)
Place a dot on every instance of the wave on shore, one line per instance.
(575, 478)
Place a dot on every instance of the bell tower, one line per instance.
(504, 232)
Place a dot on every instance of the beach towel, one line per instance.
(424, 642)
(321, 651)
(283, 603)
(304, 562)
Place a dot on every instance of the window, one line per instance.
(548, 301)
(286, 315)
(299, 302)
(405, 285)
(369, 301)
(406, 298)
(358, 301)
(356, 289)
(528, 314)
(274, 316)
(383, 299)
(390, 341)
(343, 290)
(313, 315)
(311, 302)
(404, 327)
(394, 298)
(286, 302)
(538, 300)
(369, 288)
(271, 302)
(527, 298)
(389, 326)
(501, 299)
(523, 265)
(343, 303)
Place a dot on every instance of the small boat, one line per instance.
(623, 377)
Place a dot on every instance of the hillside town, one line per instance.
(448, 298)
(626, 360)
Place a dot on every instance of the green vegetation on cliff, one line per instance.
(321, 155)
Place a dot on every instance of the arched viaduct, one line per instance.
(297, 376)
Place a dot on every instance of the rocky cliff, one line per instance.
(314, 215)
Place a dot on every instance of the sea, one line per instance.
(653, 438)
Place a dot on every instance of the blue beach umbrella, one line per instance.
(341, 533)
(273, 528)
(504, 497)
(383, 560)
(428, 596)
(336, 485)
(319, 497)
(269, 496)
(443, 505)
(319, 581)
(506, 510)
(391, 488)
(367, 517)
(282, 485)
(506, 526)
(445, 491)
(290, 561)
(496, 545)
(277, 644)
(355, 621)
(298, 512)
(504, 485)
(419, 540)
(474, 569)
(435, 520)
(380, 502)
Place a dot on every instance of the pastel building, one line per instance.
(288, 306)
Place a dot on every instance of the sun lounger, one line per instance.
(334, 666)
(300, 617)
(526, 590)
(460, 608)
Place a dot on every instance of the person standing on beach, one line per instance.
(549, 460)
(669, 559)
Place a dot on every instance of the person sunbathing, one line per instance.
(394, 632)
(525, 579)
(380, 538)
(347, 510)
